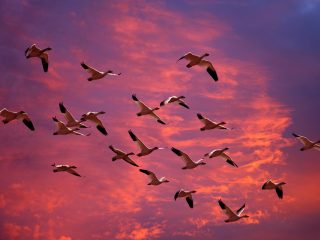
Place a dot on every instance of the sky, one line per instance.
(267, 58)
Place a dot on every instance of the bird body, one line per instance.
(221, 153)
(65, 168)
(198, 60)
(21, 115)
(144, 150)
(175, 99)
(154, 180)
(307, 143)
(232, 216)
(145, 110)
(185, 157)
(64, 130)
(185, 194)
(268, 185)
(95, 74)
(208, 124)
(34, 51)
(93, 117)
(122, 155)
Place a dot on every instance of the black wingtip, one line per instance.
(199, 116)
(144, 171)
(162, 122)
(134, 97)
(212, 73)
(102, 130)
(162, 104)
(28, 124)
(176, 151)
(84, 65)
(62, 108)
(176, 195)
(295, 135)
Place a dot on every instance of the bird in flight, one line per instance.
(154, 180)
(232, 216)
(71, 121)
(95, 74)
(198, 60)
(307, 143)
(21, 115)
(65, 168)
(174, 99)
(221, 153)
(145, 110)
(34, 51)
(208, 124)
(64, 130)
(185, 157)
(272, 185)
(187, 194)
(93, 117)
(122, 155)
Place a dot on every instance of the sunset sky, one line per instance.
(267, 57)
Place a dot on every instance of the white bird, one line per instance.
(34, 51)
(145, 110)
(277, 186)
(208, 124)
(175, 99)
(307, 143)
(122, 155)
(221, 153)
(187, 194)
(64, 130)
(154, 180)
(198, 60)
(95, 74)
(71, 121)
(144, 150)
(189, 163)
(93, 117)
(65, 168)
(232, 216)
(21, 115)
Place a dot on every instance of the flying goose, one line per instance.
(93, 116)
(208, 124)
(277, 186)
(95, 74)
(221, 153)
(232, 216)
(65, 168)
(144, 150)
(144, 110)
(307, 143)
(64, 130)
(154, 180)
(196, 60)
(175, 99)
(122, 155)
(34, 51)
(187, 194)
(189, 163)
(22, 116)
(71, 121)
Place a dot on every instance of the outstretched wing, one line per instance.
(240, 210)
(89, 69)
(73, 172)
(190, 201)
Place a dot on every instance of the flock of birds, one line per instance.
(73, 126)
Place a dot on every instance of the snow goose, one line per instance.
(307, 143)
(34, 51)
(144, 110)
(221, 153)
(144, 150)
(189, 163)
(65, 168)
(232, 216)
(71, 121)
(277, 186)
(175, 99)
(64, 130)
(93, 116)
(22, 116)
(154, 180)
(187, 194)
(95, 74)
(208, 124)
(122, 155)
(198, 60)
